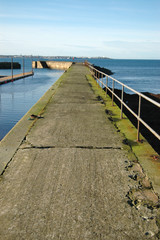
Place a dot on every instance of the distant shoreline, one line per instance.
(75, 57)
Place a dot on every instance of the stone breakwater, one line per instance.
(51, 65)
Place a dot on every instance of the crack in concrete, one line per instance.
(38, 147)
(92, 147)
(76, 147)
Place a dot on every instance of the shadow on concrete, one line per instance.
(44, 64)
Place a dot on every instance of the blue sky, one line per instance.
(110, 28)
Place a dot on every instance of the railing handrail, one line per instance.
(141, 95)
(131, 89)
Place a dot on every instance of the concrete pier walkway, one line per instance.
(68, 179)
(15, 77)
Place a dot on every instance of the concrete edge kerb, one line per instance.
(11, 142)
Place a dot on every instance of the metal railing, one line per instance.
(99, 76)
(22, 63)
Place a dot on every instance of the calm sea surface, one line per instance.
(18, 97)
(141, 75)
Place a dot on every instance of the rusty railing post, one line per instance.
(31, 64)
(122, 93)
(102, 81)
(96, 76)
(98, 79)
(139, 114)
(112, 92)
(12, 67)
(106, 84)
(23, 66)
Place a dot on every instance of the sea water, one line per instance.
(17, 97)
(141, 75)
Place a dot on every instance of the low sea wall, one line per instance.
(9, 65)
(51, 64)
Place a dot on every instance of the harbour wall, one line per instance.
(51, 64)
(9, 65)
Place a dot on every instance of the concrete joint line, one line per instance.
(92, 147)
(73, 147)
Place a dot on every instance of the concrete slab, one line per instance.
(69, 194)
(66, 125)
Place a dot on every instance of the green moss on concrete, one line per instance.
(141, 151)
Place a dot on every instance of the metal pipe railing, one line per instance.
(96, 74)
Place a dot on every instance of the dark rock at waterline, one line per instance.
(104, 70)
(7, 65)
(149, 113)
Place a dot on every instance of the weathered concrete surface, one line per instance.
(68, 179)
